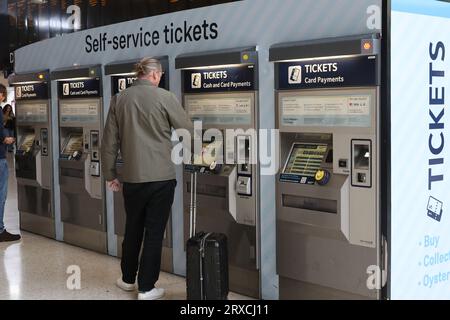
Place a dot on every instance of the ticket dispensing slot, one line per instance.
(307, 171)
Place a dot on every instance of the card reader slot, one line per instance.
(312, 204)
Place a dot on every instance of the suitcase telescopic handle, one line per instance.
(193, 205)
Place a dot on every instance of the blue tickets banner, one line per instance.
(241, 78)
(35, 91)
(79, 89)
(328, 73)
(120, 83)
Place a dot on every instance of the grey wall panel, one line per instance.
(179, 255)
(245, 23)
(55, 154)
(109, 199)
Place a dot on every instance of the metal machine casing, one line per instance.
(220, 91)
(327, 94)
(80, 129)
(33, 158)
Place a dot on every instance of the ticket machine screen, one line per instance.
(304, 160)
(74, 145)
(211, 151)
(27, 142)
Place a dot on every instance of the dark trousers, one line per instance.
(147, 206)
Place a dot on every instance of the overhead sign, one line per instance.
(79, 89)
(420, 154)
(227, 79)
(35, 91)
(327, 73)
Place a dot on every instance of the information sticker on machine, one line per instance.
(220, 110)
(31, 112)
(338, 110)
(72, 112)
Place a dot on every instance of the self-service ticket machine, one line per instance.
(80, 129)
(220, 92)
(327, 103)
(33, 158)
(122, 77)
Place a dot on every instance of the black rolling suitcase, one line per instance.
(207, 259)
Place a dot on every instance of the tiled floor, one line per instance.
(40, 268)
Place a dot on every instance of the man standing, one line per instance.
(5, 236)
(139, 124)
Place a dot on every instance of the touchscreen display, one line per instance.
(211, 152)
(305, 159)
(74, 143)
(27, 142)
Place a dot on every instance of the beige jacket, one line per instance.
(139, 124)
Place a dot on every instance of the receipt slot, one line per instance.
(33, 163)
(80, 129)
(220, 92)
(327, 104)
(122, 77)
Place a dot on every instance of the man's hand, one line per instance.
(9, 140)
(114, 185)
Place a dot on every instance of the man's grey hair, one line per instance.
(144, 67)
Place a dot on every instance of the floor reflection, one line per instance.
(12, 262)
(36, 267)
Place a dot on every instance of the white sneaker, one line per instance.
(125, 286)
(154, 294)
